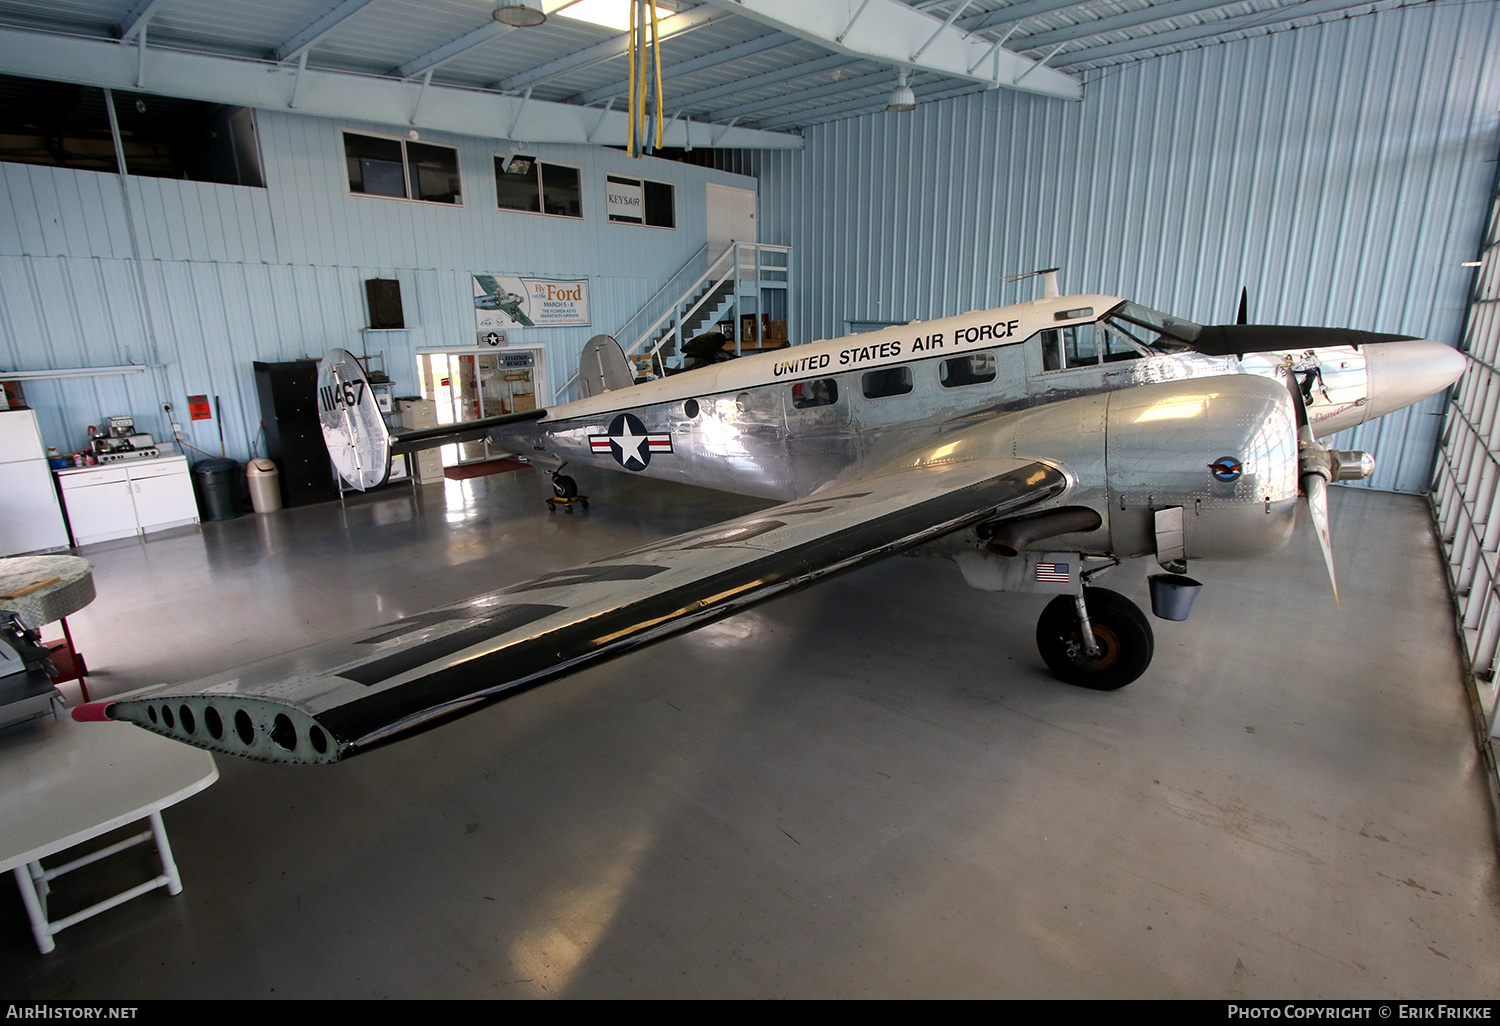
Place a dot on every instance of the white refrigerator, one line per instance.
(31, 520)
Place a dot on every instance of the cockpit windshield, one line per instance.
(1153, 328)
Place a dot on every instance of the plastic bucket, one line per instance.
(265, 485)
(217, 483)
(1173, 595)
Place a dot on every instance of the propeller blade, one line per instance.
(1244, 315)
(1317, 504)
(1313, 457)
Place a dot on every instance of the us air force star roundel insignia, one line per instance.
(630, 443)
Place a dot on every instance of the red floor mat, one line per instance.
(468, 470)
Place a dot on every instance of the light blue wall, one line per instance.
(1340, 172)
(229, 275)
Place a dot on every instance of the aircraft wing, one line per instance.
(335, 699)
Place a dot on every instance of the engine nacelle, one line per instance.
(1224, 449)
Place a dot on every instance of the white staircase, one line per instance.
(746, 278)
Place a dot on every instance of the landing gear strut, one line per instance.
(1123, 643)
(565, 494)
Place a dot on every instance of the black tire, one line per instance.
(1126, 643)
(563, 486)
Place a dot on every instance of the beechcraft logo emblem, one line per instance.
(630, 443)
(1226, 469)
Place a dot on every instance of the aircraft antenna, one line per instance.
(1050, 288)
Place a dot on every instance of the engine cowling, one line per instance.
(1224, 449)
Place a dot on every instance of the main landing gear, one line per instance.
(1099, 639)
(565, 494)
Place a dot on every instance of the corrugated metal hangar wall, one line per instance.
(1341, 173)
(232, 274)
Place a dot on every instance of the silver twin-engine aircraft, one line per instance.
(1036, 445)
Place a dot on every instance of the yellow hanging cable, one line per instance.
(630, 90)
(656, 59)
(640, 70)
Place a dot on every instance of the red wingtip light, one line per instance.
(91, 712)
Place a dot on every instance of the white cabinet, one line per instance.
(129, 499)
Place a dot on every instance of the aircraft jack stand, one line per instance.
(568, 503)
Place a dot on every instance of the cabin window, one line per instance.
(535, 187)
(402, 169)
(886, 382)
(974, 369)
(819, 392)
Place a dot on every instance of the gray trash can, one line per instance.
(265, 485)
(217, 483)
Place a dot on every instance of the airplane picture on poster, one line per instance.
(1038, 446)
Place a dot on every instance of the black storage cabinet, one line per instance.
(289, 410)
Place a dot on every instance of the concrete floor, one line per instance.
(867, 789)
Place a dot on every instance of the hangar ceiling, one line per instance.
(736, 73)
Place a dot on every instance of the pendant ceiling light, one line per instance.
(519, 15)
(902, 98)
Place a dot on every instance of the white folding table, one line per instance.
(63, 783)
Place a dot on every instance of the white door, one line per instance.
(731, 217)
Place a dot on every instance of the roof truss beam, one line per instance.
(314, 32)
(890, 32)
(881, 79)
(1130, 19)
(344, 96)
(701, 97)
(1261, 20)
(135, 20)
(708, 60)
(611, 48)
(1017, 13)
(462, 45)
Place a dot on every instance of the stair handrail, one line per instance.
(672, 310)
(624, 328)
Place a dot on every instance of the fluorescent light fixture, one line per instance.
(612, 14)
(902, 98)
(1472, 263)
(519, 13)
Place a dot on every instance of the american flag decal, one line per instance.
(1052, 573)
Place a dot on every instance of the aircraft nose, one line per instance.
(1408, 371)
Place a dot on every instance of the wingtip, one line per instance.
(92, 712)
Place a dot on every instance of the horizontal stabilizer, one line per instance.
(447, 434)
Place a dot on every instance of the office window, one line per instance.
(538, 188)
(637, 201)
(402, 169)
(59, 124)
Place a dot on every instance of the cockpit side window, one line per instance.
(1074, 346)
(1154, 329)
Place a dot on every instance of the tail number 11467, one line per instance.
(347, 393)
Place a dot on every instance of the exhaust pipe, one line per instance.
(1009, 537)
